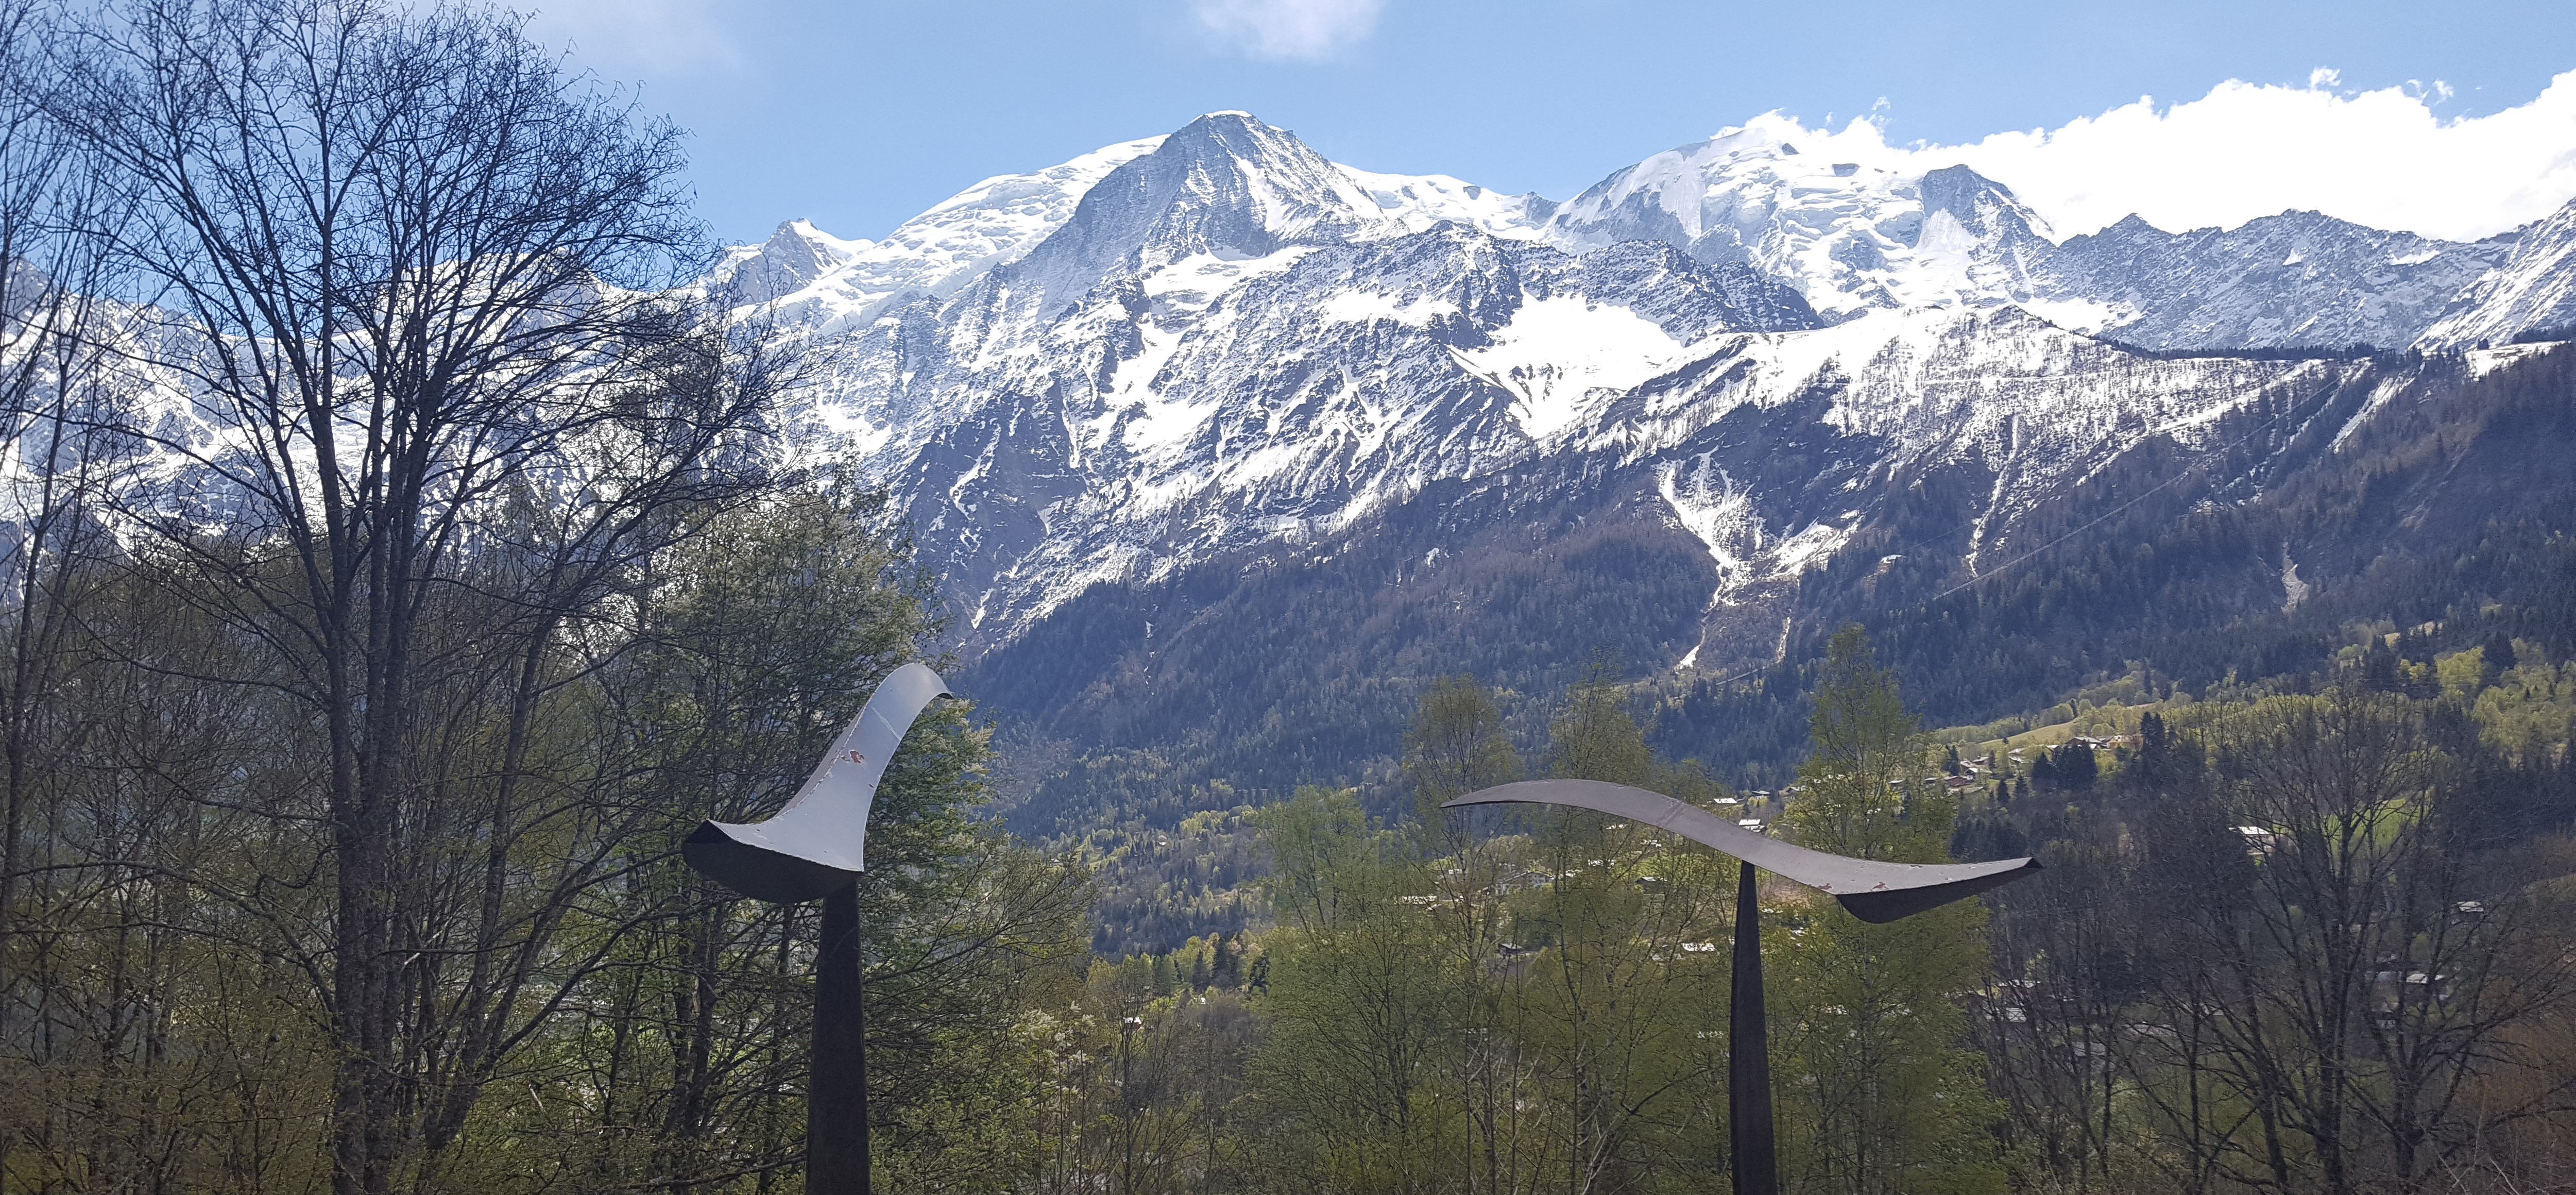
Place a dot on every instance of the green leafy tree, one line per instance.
(1362, 1011)
(1597, 738)
(752, 645)
(1456, 744)
(1877, 1094)
(1624, 1017)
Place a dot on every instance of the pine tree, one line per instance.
(2076, 767)
(2499, 655)
(2379, 669)
(2154, 765)
(1228, 970)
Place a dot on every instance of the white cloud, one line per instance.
(622, 38)
(1288, 29)
(2381, 158)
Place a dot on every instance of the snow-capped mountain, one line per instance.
(2531, 290)
(1000, 220)
(1232, 340)
(994, 221)
(1222, 447)
(1854, 238)
(2298, 278)
(1209, 344)
(1851, 238)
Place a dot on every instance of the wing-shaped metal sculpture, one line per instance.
(819, 841)
(1875, 892)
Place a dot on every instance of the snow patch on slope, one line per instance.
(1422, 200)
(1704, 501)
(1557, 352)
(992, 223)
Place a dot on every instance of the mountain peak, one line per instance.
(793, 258)
(1850, 238)
(1224, 184)
(1985, 208)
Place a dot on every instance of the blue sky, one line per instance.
(858, 115)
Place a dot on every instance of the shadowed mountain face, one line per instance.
(1223, 447)
(2298, 278)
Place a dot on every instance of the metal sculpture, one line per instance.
(815, 848)
(1873, 891)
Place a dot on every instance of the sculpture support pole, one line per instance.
(1873, 890)
(836, 1088)
(1748, 1060)
(816, 847)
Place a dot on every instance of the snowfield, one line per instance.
(1183, 346)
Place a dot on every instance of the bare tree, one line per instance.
(66, 862)
(2343, 965)
(426, 403)
(2054, 1029)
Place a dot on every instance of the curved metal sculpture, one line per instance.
(1873, 891)
(815, 848)
(818, 843)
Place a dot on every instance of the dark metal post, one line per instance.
(816, 848)
(1874, 891)
(836, 1089)
(1748, 1061)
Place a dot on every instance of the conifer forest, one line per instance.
(404, 554)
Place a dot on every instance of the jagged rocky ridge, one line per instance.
(1731, 367)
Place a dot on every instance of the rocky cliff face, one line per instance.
(2531, 292)
(2295, 279)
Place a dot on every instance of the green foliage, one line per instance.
(2531, 709)
(1869, 752)
(1157, 886)
(756, 642)
(655, 1033)
(1362, 1004)
(1878, 1092)
(1456, 745)
(1596, 738)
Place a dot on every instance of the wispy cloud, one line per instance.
(2383, 158)
(1288, 30)
(620, 38)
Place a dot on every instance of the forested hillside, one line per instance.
(2400, 493)
(2307, 942)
